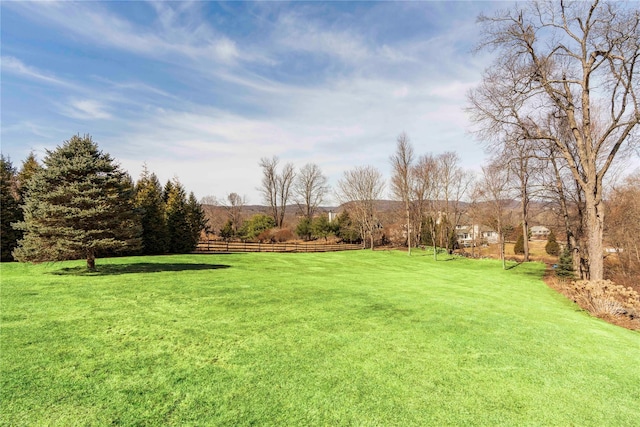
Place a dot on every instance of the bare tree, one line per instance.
(623, 227)
(276, 187)
(523, 159)
(453, 184)
(556, 61)
(234, 205)
(493, 190)
(285, 181)
(361, 187)
(402, 179)
(567, 197)
(310, 188)
(426, 192)
(269, 187)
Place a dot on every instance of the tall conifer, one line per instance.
(80, 205)
(197, 219)
(29, 168)
(149, 201)
(10, 210)
(178, 227)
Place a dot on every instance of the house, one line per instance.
(465, 235)
(468, 235)
(539, 232)
(490, 236)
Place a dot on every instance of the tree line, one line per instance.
(555, 109)
(79, 204)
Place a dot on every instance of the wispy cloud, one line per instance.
(85, 109)
(94, 23)
(194, 95)
(13, 65)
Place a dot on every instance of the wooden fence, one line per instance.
(217, 246)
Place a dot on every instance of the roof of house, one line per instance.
(539, 229)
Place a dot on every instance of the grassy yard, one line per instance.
(350, 338)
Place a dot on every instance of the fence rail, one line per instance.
(217, 246)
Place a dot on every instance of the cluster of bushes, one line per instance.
(603, 299)
(262, 228)
(79, 203)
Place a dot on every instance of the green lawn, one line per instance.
(350, 338)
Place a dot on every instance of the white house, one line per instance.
(539, 232)
(469, 234)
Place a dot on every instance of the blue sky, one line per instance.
(203, 90)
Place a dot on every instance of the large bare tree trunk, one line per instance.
(595, 225)
(525, 229)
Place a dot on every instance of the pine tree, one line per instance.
(227, 231)
(321, 227)
(80, 205)
(565, 265)
(197, 220)
(178, 227)
(150, 201)
(29, 168)
(10, 210)
(346, 230)
(303, 229)
(168, 187)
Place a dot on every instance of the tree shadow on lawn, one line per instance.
(145, 267)
(513, 265)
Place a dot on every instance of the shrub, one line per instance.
(226, 232)
(282, 235)
(603, 297)
(518, 249)
(321, 227)
(303, 229)
(552, 247)
(565, 265)
(265, 236)
(255, 227)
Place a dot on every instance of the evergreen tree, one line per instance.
(518, 248)
(552, 247)
(346, 230)
(178, 227)
(80, 205)
(29, 168)
(303, 229)
(168, 187)
(565, 265)
(227, 231)
(321, 227)
(10, 210)
(149, 201)
(197, 220)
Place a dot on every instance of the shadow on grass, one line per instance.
(145, 267)
(512, 266)
(524, 269)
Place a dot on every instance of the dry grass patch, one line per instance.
(604, 299)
